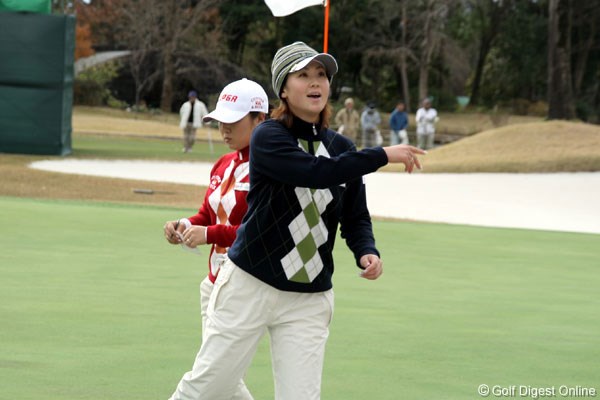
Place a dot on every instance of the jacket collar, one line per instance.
(306, 130)
(243, 154)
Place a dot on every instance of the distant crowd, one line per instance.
(363, 129)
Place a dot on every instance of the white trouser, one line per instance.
(425, 140)
(397, 137)
(242, 392)
(241, 309)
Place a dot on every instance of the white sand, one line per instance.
(559, 202)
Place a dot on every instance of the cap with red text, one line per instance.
(237, 100)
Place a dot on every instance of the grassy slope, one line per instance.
(96, 305)
(471, 123)
(111, 121)
(555, 146)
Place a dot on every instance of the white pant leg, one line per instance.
(298, 338)
(421, 140)
(236, 320)
(206, 287)
(430, 140)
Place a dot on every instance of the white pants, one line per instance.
(241, 309)
(425, 140)
(242, 392)
(397, 137)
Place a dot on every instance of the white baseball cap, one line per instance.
(237, 100)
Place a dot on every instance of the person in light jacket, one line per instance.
(426, 118)
(370, 120)
(348, 121)
(191, 113)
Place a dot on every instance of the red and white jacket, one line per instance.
(224, 206)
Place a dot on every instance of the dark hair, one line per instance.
(283, 114)
(256, 114)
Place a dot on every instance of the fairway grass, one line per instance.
(95, 304)
(123, 147)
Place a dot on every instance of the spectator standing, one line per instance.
(348, 121)
(398, 125)
(370, 120)
(191, 114)
(426, 119)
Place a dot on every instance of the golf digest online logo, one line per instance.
(534, 392)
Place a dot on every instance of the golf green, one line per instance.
(95, 304)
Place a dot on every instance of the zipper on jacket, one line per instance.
(314, 130)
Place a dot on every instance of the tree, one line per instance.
(105, 18)
(386, 50)
(403, 56)
(585, 60)
(83, 42)
(560, 88)
(165, 29)
(487, 18)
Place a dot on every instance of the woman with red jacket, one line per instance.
(242, 105)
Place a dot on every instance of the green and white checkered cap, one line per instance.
(294, 57)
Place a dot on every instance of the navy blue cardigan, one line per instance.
(304, 181)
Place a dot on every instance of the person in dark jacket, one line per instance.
(398, 125)
(305, 181)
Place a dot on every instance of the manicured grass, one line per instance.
(95, 304)
(123, 147)
(119, 122)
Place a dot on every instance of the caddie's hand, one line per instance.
(373, 266)
(405, 154)
(194, 236)
(170, 234)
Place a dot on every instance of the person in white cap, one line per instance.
(242, 105)
(305, 181)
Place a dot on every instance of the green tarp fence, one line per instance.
(39, 6)
(36, 82)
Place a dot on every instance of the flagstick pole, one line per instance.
(326, 29)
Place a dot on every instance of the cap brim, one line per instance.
(325, 59)
(224, 116)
